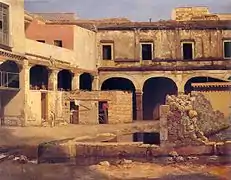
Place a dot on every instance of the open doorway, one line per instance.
(103, 112)
(74, 113)
(44, 107)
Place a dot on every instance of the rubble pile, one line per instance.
(190, 117)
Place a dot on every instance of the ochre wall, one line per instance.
(34, 108)
(167, 44)
(85, 48)
(16, 19)
(220, 100)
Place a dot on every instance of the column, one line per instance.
(164, 110)
(75, 81)
(139, 104)
(95, 83)
(53, 80)
(24, 84)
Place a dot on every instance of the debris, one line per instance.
(192, 158)
(179, 159)
(104, 163)
(3, 157)
(173, 154)
(125, 161)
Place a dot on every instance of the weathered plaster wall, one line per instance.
(50, 51)
(34, 108)
(16, 19)
(12, 115)
(167, 44)
(49, 33)
(85, 48)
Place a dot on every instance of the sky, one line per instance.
(136, 10)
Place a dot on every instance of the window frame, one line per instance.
(141, 50)
(58, 40)
(112, 51)
(224, 41)
(5, 31)
(182, 49)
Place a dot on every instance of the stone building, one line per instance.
(44, 61)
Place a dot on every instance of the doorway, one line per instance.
(74, 113)
(103, 112)
(44, 107)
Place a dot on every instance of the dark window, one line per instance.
(4, 24)
(41, 41)
(187, 51)
(227, 49)
(146, 51)
(58, 43)
(107, 52)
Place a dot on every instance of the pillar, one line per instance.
(139, 104)
(53, 80)
(75, 81)
(24, 84)
(164, 110)
(95, 83)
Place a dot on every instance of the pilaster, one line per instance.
(75, 81)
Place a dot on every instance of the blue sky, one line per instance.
(137, 10)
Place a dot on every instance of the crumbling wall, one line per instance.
(190, 118)
(119, 105)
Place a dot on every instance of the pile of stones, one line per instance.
(190, 118)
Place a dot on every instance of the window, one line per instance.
(58, 43)
(107, 52)
(146, 51)
(4, 24)
(187, 50)
(41, 41)
(227, 49)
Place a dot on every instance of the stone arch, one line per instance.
(65, 80)
(137, 85)
(155, 90)
(9, 76)
(119, 83)
(85, 81)
(199, 79)
(39, 75)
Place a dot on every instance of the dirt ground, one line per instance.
(31, 136)
(13, 136)
(134, 171)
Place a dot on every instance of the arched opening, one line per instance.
(9, 74)
(155, 91)
(124, 85)
(85, 82)
(201, 79)
(229, 78)
(39, 77)
(64, 80)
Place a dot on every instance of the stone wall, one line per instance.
(186, 13)
(119, 102)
